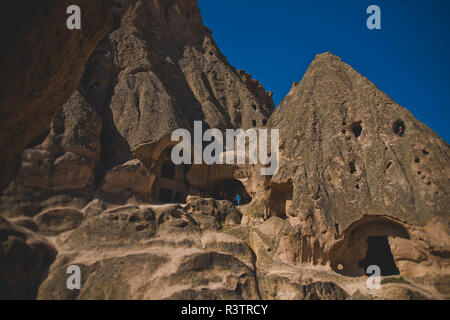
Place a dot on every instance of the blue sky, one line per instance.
(409, 58)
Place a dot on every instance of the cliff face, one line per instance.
(162, 64)
(158, 70)
(360, 178)
(41, 62)
(347, 147)
(359, 166)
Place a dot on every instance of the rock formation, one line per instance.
(357, 162)
(361, 182)
(41, 62)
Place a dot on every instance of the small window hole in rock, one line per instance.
(399, 128)
(356, 128)
(352, 166)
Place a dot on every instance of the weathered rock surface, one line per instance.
(151, 252)
(25, 258)
(359, 177)
(339, 131)
(62, 166)
(359, 166)
(211, 213)
(158, 70)
(41, 65)
(55, 221)
(131, 177)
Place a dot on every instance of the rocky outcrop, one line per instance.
(61, 168)
(41, 65)
(162, 63)
(145, 79)
(359, 167)
(129, 178)
(55, 221)
(359, 178)
(25, 258)
(350, 141)
(151, 252)
(211, 213)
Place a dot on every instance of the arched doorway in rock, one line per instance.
(170, 185)
(379, 253)
(280, 194)
(168, 170)
(226, 189)
(366, 243)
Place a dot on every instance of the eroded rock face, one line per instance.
(162, 70)
(61, 168)
(344, 140)
(353, 157)
(358, 174)
(25, 257)
(131, 176)
(211, 213)
(55, 221)
(41, 65)
(151, 252)
(158, 70)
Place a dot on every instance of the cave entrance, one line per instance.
(228, 188)
(170, 184)
(165, 195)
(168, 170)
(379, 254)
(366, 243)
(280, 194)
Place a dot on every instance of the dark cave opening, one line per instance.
(228, 188)
(352, 166)
(280, 194)
(366, 243)
(399, 128)
(165, 195)
(168, 170)
(356, 128)
(170, 185)
(379, 253)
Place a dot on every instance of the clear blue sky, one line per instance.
(409, 58)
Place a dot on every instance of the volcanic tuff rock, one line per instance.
(145, 79)
(24, 258)
(162, 63)
(158, 69)
(151, 252)
(354, 164)
(358, 174)
(41, 62)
